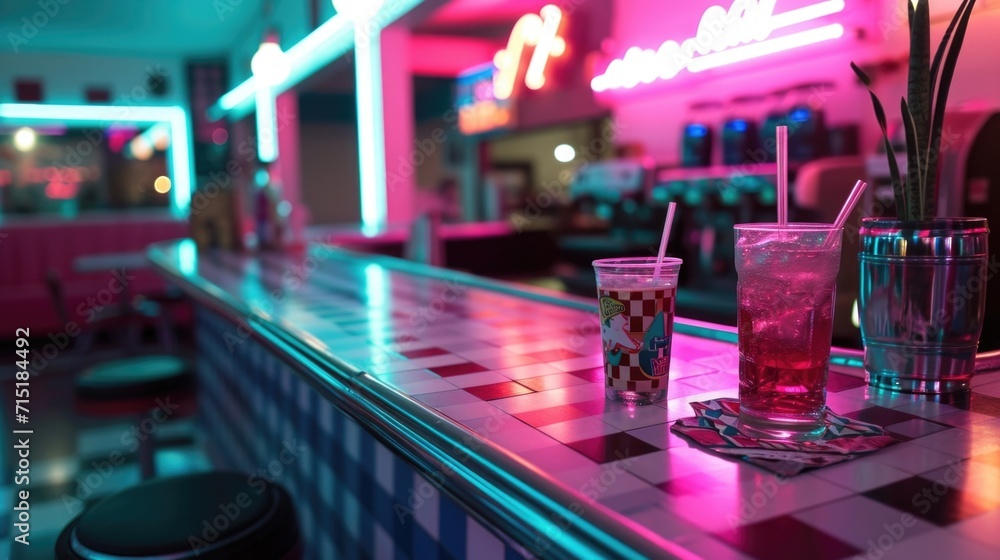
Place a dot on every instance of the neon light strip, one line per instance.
(328, 42)
(764, 48)
(508, 60)
(546, 47)
(806, 13)
(540, 32)
(371, 131)
(178, 156)
(267, 125)
(752, 21)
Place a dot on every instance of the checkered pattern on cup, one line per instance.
(639, 309)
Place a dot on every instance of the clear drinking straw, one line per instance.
(852, 201)
(671, 208)
(782, 176)
(847, 210)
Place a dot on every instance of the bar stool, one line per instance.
(128, 387)
(207, 516)
(150, 389)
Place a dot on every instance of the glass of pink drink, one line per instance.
(787, 282)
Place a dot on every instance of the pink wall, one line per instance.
(289, 167)
(567, 96)
(397, 95)
(448, 56)
(653, 114)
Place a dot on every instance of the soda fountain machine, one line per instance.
(613, 194)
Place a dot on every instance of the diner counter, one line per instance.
(450, 416)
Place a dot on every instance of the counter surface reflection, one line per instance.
(501, 389)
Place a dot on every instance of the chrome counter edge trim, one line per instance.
(494, 486)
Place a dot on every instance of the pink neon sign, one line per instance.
(724, 37)
(539, 31)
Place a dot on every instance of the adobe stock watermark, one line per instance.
(584, 332)
(88, 483)
(879, 207)
(291, 280)
(592, 489)
(33, 24)
(895, 21)
(224, 8)
(220, 181)
(421, 319)
(89, 310)
(751, 504)
(919, 331)
(425, 148)
(923, 502)
(75, 154)
(388, 13)
(257, 484)
(557, 190)
(819, 96)
(431, 483)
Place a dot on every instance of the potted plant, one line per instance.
(923, 277)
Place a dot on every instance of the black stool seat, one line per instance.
(133, 377)
(207, 516)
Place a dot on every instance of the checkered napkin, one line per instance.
(715, 426)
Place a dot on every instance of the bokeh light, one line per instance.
(24, 139)
(220, 136)
(141, 149)
(565, 153)
(162, 184)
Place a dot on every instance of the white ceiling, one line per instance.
(127, 27)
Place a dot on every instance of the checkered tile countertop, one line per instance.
(524, 372)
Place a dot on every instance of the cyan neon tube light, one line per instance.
(267, 125)
(178, 156)
(325, 44)
(270, 67)
(371, 132)
(724, 37)
(328, 42)
(371, 117)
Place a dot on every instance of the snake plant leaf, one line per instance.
(918, 97)
(950, 60)
(897, 185)
(943, 47)
(915, 184)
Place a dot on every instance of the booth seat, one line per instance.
(29, 250)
